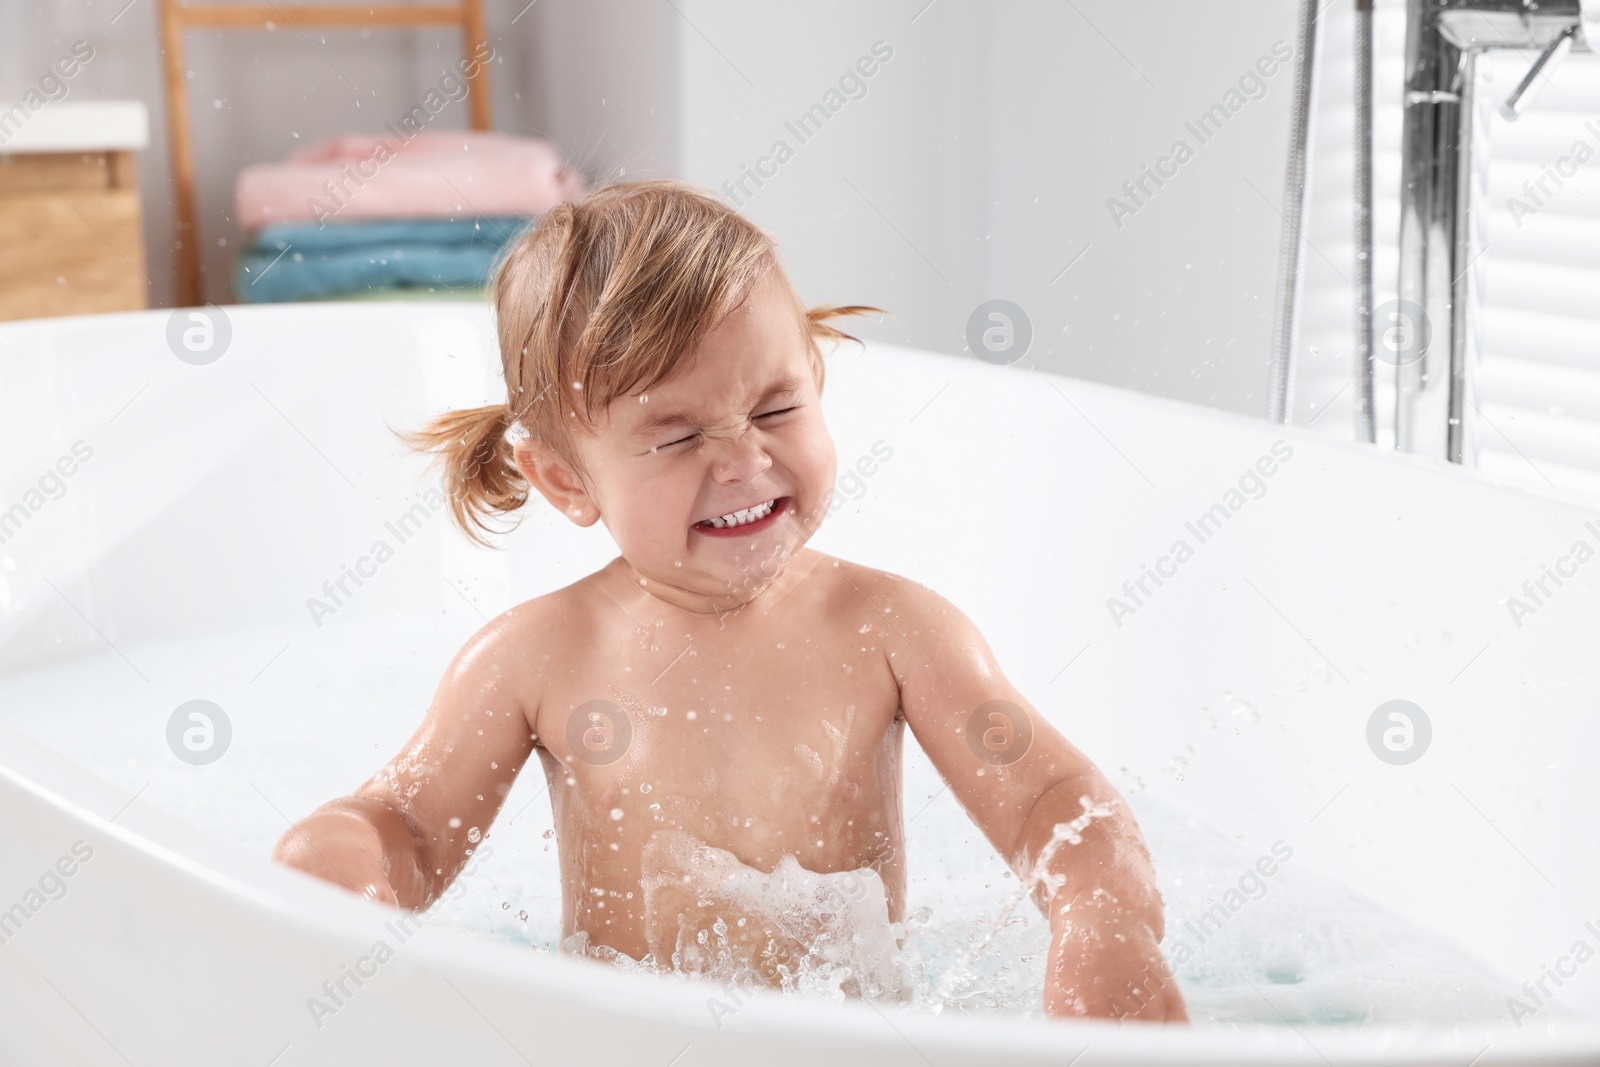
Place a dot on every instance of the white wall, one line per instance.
(981, 160)
(888, 203)
(1177, 300)
(604, 84)
(977, 165)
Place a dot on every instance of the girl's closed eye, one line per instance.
(691, 437)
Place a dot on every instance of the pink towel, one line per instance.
(426, 174)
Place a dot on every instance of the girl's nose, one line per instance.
(739, 455)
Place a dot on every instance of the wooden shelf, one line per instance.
(177, 18)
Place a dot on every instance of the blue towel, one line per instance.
(296, 261)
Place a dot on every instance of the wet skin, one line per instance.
(781, 733)
(765, 688)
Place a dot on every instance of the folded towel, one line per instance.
(302, 262)
(305, 236)
(425, 174)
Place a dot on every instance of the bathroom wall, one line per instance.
(604, 83)
(979, 163)
(974, 163)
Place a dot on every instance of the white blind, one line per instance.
(1541, 269)
(1539, 302)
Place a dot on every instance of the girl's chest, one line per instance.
(749, 728)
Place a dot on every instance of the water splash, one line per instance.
(958, 981)
(828, 935)
(710, 916)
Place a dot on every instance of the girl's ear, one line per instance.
(547, 473)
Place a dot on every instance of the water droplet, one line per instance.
(616, 814)
(474, 834)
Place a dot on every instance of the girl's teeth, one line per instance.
(739, 518)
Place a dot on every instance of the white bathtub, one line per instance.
(175, 563)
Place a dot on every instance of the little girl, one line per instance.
(718, 697)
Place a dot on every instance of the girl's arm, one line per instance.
(405, 833)
(1043, 804)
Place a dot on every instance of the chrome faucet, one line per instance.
(1436, 394)
(1436, 377)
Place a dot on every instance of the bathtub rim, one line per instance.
(338, 917)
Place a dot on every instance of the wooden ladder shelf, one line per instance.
(178, 17)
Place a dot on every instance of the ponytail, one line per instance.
(480, 473)
(816, 319)
(817, 328)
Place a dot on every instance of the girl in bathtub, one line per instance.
(719, 701)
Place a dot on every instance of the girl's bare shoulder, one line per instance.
(867, 586)
(524, 640)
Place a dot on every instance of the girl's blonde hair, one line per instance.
(602, 298)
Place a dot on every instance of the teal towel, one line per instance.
(296, 261)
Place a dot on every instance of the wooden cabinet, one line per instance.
(71, 235)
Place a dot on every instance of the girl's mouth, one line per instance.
(749, 521)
